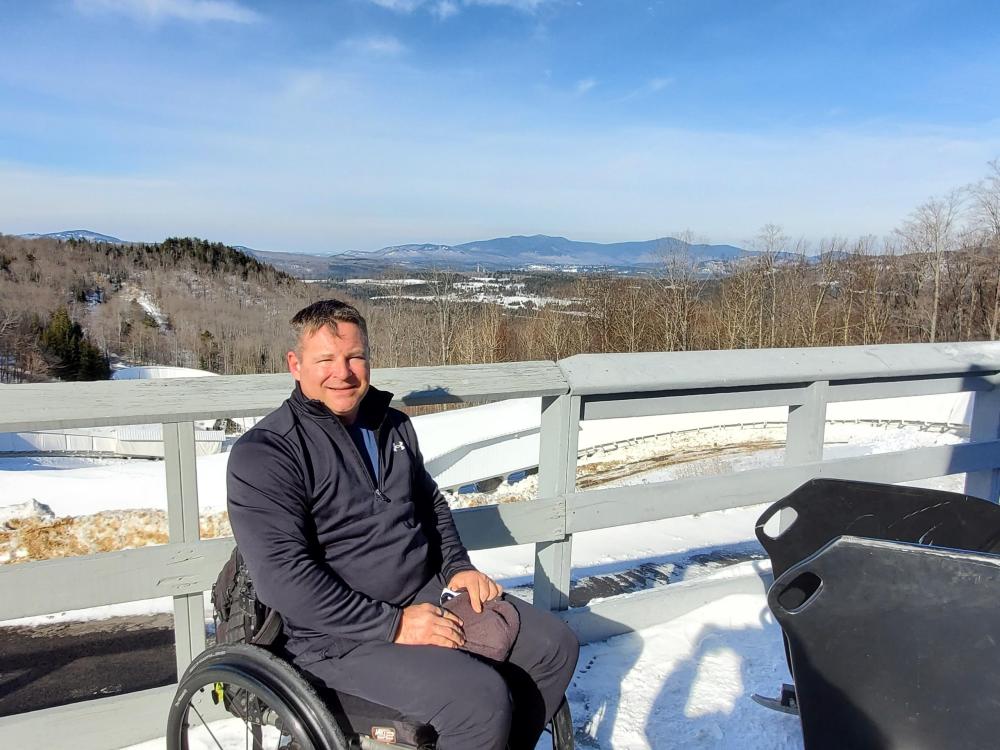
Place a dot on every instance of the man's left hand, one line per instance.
(480, 586)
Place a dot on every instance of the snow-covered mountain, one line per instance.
(426, 253)
(76, 234)
(543, 249)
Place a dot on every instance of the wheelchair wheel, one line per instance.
(240, 696)
(561, 728)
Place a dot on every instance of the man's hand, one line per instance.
(480, 586)
(429, 625)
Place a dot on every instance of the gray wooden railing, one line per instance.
(585, 387)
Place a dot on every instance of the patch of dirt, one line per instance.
(27, 539)
(601, 472)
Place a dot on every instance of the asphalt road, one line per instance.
(52, 665)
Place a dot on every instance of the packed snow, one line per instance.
(495, 290)
(504, 300)
(385, 282)
(145, 301)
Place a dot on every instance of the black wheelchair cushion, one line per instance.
(359, 716)
(828, 508)
(894, 645)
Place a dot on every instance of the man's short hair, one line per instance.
(326, 312)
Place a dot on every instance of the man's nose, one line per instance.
(341, 369)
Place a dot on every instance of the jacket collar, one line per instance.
(374, 407)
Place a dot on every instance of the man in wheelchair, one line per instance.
(347, 536)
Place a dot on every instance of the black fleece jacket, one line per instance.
(337, 554)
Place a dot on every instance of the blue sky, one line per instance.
(353, 124)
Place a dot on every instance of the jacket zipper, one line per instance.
(377, 487)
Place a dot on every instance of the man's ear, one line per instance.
(293, 364)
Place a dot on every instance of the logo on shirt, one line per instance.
(398, 446)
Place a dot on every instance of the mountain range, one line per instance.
(543, 249)
(501, 252)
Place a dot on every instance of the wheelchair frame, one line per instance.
(278, 705)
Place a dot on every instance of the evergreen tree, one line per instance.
(93, 365)
(70, 354)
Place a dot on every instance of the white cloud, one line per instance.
(585, 85)
(401, 6)
(305, 84)
(180, 10)
(525, 5)
(379, 45)
(652, 86)
(447, 8)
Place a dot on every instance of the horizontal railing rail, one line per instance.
(592, 374)
(35, 406)
(585, 387)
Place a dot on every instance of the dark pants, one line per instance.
(470, 702)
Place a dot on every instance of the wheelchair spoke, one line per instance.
(233, 717)
(207, 727)
(243, 698)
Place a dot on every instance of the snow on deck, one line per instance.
(687, 684)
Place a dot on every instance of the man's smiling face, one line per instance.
(332, 366)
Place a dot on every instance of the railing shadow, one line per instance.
(647, 689)
(694, 708)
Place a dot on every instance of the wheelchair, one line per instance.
(243, 696)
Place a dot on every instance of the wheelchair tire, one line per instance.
(561, 728)
(268, 705)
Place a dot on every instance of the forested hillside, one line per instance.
(183, 302)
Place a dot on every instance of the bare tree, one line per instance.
(932, 231)
(680, 287)
(442, 284)
(986, 218)
(770, 241)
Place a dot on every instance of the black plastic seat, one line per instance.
(894, 646)
(828, 508)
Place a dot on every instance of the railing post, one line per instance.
(805, 433)
(558, 441)
(985, 425)
(183, 522)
